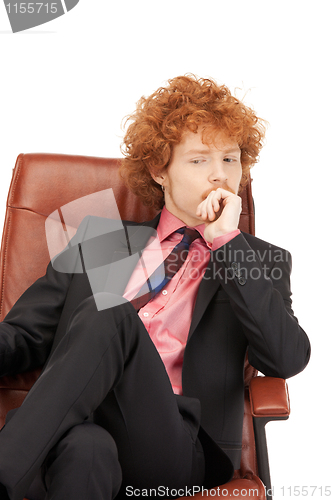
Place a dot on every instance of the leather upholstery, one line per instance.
(269, 397)
(251, 488)
(41, 184)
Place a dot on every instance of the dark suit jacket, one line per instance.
(243, 305)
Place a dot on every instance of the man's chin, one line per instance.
(192, 220)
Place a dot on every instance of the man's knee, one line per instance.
(92, 319)
(103, 304)
(89, 449)
(95, 331)
(87, 439)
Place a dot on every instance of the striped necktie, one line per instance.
(169, 268)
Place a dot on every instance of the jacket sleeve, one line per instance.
(27, 332)
(258, 285)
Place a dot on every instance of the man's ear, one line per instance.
(158, 178)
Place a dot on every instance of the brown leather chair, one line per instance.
(41, 184)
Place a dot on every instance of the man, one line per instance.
(143, 388)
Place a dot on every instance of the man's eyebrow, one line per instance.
(205, 151)
(197, 151)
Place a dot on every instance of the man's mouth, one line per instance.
(206, 193)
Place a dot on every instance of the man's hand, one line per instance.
(220, 211)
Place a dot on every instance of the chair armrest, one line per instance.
(269, 400)
(269, 397)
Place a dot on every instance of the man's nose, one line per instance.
(218, 173)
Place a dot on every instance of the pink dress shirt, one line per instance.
(167, 317)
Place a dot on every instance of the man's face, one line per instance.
(195, 170)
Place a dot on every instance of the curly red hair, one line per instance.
(161, 119)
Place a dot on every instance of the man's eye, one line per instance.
(196, 161)
(229, 160)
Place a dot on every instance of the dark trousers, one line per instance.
(102, 416)
(102, 419)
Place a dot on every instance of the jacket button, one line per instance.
(234, 266)
(242, 280)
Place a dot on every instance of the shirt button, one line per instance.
(146, 315)
(165, 292)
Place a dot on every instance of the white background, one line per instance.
(66, 85)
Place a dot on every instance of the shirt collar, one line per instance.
(169, 223)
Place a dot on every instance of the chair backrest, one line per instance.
(41, 184)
